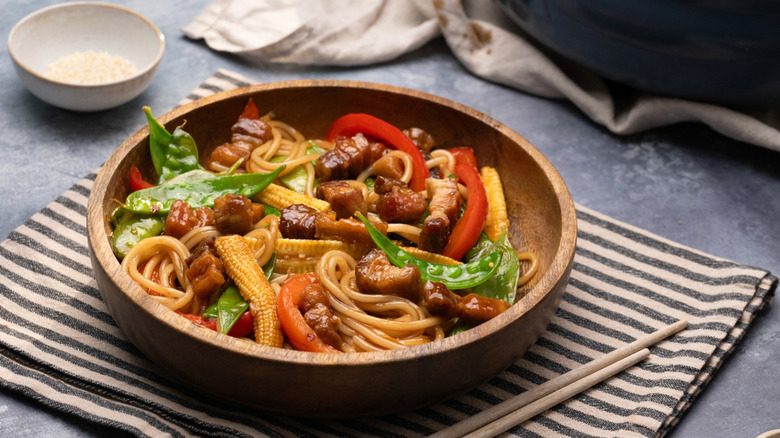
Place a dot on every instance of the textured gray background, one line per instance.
(685, 183)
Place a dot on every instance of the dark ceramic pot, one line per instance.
(726, 51)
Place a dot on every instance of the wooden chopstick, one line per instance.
(561, 388)
(537, 407)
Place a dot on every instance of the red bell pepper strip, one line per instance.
(137, 181)
(464, 155)
(351, 124)
(468, 228)
(250, 111)
(291, 320)
(241, 328)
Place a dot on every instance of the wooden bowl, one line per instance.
(344, 385)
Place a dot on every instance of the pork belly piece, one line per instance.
(347, 230)
(349, 157)
(443, 209)
(182, 219)
(374, 274)
(233, 214)
(316, 310)
(473, 309)
(297, 222)
(344, 199)
(205, 271)
(397, 202)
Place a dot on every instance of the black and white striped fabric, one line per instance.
(59, 345)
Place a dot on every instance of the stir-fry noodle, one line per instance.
(372, 301)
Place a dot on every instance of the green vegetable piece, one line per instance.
(459, 327)
(210, 312)
(181, 156)
(271, 210)
(296, 179)
(159, 139)
(370, 181)
(116, 214)
(172, 154)
(198, 192)
(453, 276)
(213, 310)
(131, 229)
(230, 306)
(268, 268)
(503, 285)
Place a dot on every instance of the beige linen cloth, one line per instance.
(346, 32)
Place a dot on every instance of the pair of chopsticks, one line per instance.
(520, 408)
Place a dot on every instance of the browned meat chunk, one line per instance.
(315, 307)
(435, 234)
(348, 158)
(205, 271)
(384, 185)
(389, 166)
(440, 301)
(400, 204)
(443, 212)
(256, 128)
(420, 138)
(182, 219)
(478, 309)
(233, 214)
(227, 154)
(344, 199)
(374, 274)
(473, 309)
(347, 230)
(297, 222)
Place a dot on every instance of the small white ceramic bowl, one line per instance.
(48, 34)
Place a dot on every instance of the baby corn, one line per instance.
(298, 256)
(497, 218)
(280, 198)
(239, 263)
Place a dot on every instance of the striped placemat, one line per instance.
(59, 345)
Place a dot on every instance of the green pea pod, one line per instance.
(181, 156)
(116, 214)
(159, 139)
(503, 285)
(454, 277)
(230, 306)
(172, 154)
(213, 310)
(132, 228)
(197, 193)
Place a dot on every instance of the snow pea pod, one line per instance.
(172, 154)
(230, 306)
(131, 228)
(503, 285)
(198, 192)
(455, 277)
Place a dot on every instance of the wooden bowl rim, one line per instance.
(99, 241)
